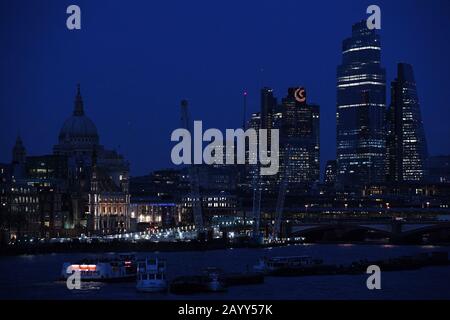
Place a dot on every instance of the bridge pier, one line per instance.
(396, 231)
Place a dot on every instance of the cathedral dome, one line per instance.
(78, 129)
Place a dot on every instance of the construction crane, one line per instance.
(284, 181)
(256, 185)
(193, 177)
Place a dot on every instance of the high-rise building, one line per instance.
(250, 170)
(407, 146)
(300, 138)
(268, 116)
(268, 106)
(361, 108)
(330, 172)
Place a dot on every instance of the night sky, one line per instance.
(135, 60)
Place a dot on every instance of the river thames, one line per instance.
(36, 276)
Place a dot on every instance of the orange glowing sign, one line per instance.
(300, 94)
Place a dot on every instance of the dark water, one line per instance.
(34, 277)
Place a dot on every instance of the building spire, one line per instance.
(18, 152)
(78, 111)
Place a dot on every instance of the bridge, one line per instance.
(394, 230)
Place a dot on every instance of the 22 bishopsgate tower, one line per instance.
(361, 108)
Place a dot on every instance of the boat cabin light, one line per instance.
(84, 267)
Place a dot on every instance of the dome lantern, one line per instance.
(78, 129)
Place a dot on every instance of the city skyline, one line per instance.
(138, 148)
(206, 151)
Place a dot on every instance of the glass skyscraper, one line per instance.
(361, 108)
(407, 146)
(268, 106)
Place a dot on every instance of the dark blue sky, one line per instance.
(136, 59)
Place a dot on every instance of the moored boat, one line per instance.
(246, 278)
(210, 281)
(268, 265)
(116, 269)
(294, 266)
(215, 279)
(151, 275)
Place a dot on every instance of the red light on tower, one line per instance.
(245, 109)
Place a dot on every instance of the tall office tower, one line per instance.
(268, 114)
(330, 172)
(268, 106)
(251, 170)
(300, 138)
(361, 108)
(407, 146)
(253, 123)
